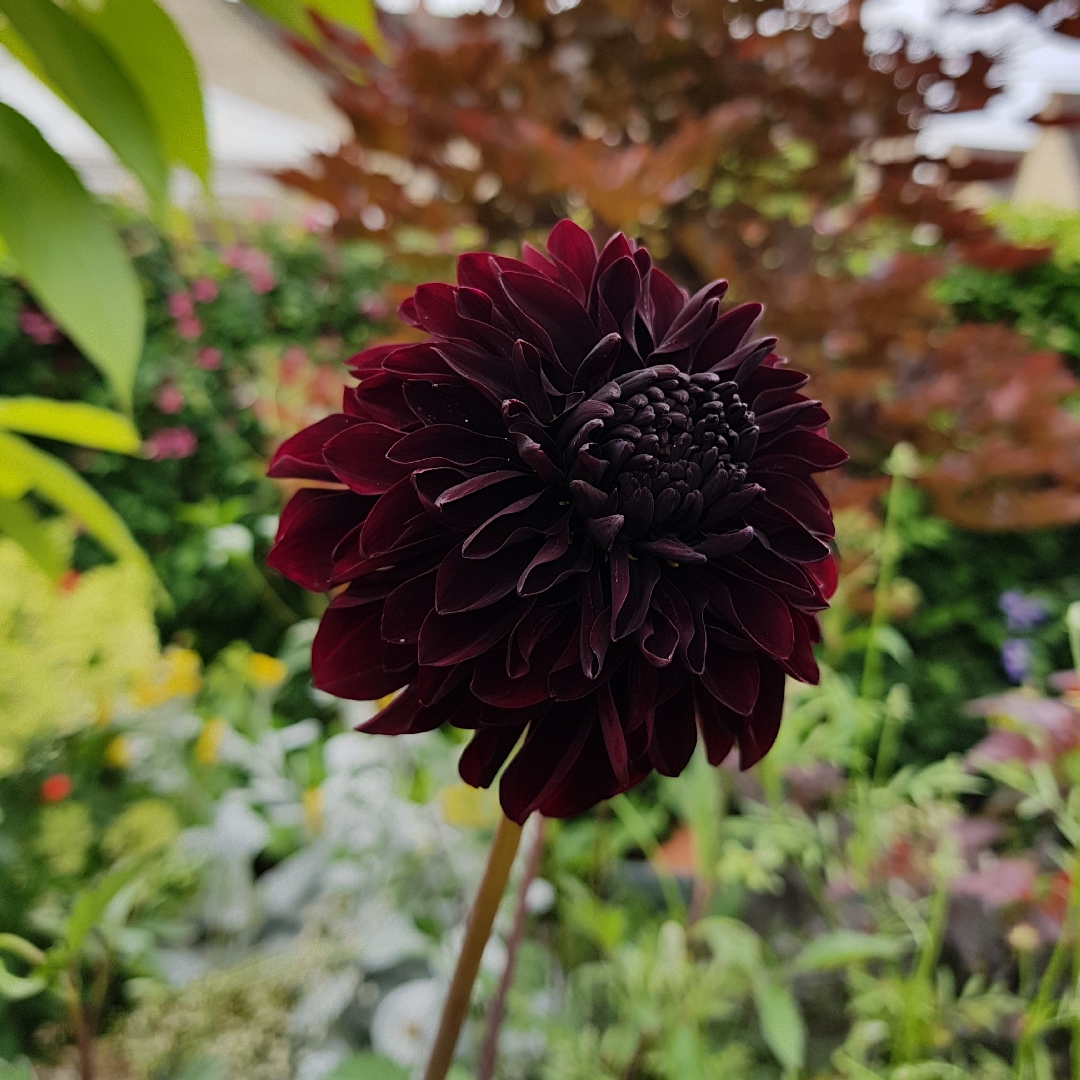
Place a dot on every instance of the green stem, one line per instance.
(635, 824)
(920, 985)
(870, 687)
(1037, 1015)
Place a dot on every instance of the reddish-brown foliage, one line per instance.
(764, 159)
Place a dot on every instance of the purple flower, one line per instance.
(1016, 659)
(580, 517)
(1021, 612)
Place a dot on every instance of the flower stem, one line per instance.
(500, 859)
(489, 1051)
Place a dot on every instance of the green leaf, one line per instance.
(16, 988)
(70, 421)
(843, 947)
(202, 1069)
(152, 51)
(782, 1024)
(15, 1072)
(95, 85)
(19, 521)
(289, 13)
(19, 946)
(68, 253)
(368, 1066)
(358, 16)
(90, 904)
(66, 490)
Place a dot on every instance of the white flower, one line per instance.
(324, 1003)
(403, 1027)
(539, 896)
(226, 541)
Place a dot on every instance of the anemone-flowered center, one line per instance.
(669, 446)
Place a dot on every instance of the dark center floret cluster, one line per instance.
(654, 452)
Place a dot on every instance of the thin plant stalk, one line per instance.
(642, 834)
(870, 686)
(501, 857)
(1038, 1015)
(496, 1012)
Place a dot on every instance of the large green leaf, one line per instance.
(70, 421)
(146, 42)
(68, 253)
(96, 85)
(65, 489)
(19, 521)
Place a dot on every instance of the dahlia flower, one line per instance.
(579, 517)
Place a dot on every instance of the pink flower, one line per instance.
(169, 399)
(39, 328)
(372, 305)
(181, 306)
(204, 290)
(209, 359)
(170, 442)
(188, 328)
(293, 361)
(254, 264)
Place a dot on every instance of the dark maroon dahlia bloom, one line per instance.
(580, 516)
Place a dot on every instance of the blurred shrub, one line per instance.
(66, 652)
(244, 345)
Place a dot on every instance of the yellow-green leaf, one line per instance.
(95, 84)
(19, 521)
(15, 988)
(150, 48)
(70, 421)
(68, 253)
(19, 946)
(358, 16)
(289, 13)
(66, 490)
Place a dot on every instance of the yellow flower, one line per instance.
(176, 674)
(118, 753)
(312, 802)
(469, 807)
(265, 672)
(209, 741)
(1023, 937)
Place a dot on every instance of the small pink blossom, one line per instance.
(204, 289)
(372, 305)
(170, 442)
(209, 359)
(188, 328)
(181, 306)
(169, 399)
(39, 328)
(293, 362)
(254, 264)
